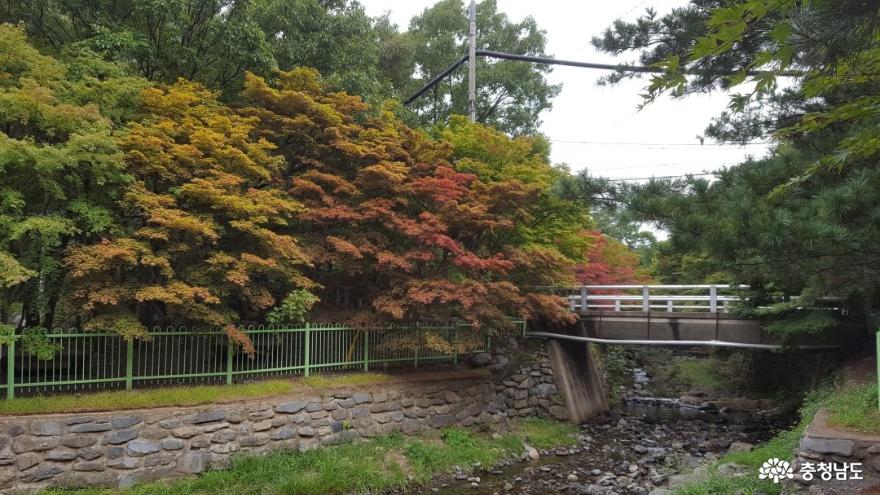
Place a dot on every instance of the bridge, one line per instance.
(660, 315)
(678, 315)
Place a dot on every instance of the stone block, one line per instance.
(160, 459)
(139, 448)
(61, 455)
(78, 441)
(45, 428)
(125, 463)
(172, 443)
(26, 461)
(39, 473)
(209, 416)
(194, 462)
(120, 436)
(88, 466)
(186, 431)
(828, 445)
(25, 443)
(90, 428)
(291, 407)
(283, 433)
(91, 453)
(224, 436)
(255, 440)
(79, 480)
(123, 422)
(262, 425)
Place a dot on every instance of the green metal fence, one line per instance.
(100, 361)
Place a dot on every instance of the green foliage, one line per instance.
(804, 219)
(293, 308)
(803, 322)
(613, 359)
(510, 95)
(60, 170)
(36, 342)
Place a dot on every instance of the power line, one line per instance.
(599, 168)
(583, 65)
(623, 143)
(662, 177)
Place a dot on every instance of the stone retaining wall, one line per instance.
(122, 448)
(822, 443)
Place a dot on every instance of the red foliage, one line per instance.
(608, 262)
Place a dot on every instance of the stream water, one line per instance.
(633, 449)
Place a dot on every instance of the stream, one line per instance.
(634, 449)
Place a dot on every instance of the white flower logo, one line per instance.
(776, 469)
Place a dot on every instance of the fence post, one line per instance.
(229, 354)
(646, 300)
(584, 305)
(713, 299)
(308, 347)
(129, 364)
(418, 345)
(366, 350)
(10, 369)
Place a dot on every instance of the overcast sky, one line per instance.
(623, 142)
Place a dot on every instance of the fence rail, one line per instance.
(645, 298)
(101, 361)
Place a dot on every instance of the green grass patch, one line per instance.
(143, 398)
(179, 396)
(697, 374)
(855, 408)
(545, 433)
(371, 466)
(343, 380)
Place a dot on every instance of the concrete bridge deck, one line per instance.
(614, 315)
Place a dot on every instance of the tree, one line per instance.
(212, 41)
(60, 169)
(801, 220)
(205, 215)
(395, 231)
(511, 95)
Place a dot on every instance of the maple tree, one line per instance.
(204, 243)
(608, 262)
(299, 203)
(395, 230)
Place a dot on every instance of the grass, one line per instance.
(543, 433)
(855, 408)
(179, 396)
(371, 466)
(348, 379)
(697, 374)
(143, 398)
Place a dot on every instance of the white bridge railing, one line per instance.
(645, 298)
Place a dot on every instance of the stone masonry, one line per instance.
(822, 443)
(118, 449)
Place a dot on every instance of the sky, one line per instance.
(599, 127)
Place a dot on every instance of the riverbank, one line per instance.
(388, 463)
(849, 401)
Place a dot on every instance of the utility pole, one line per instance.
(472, 61)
